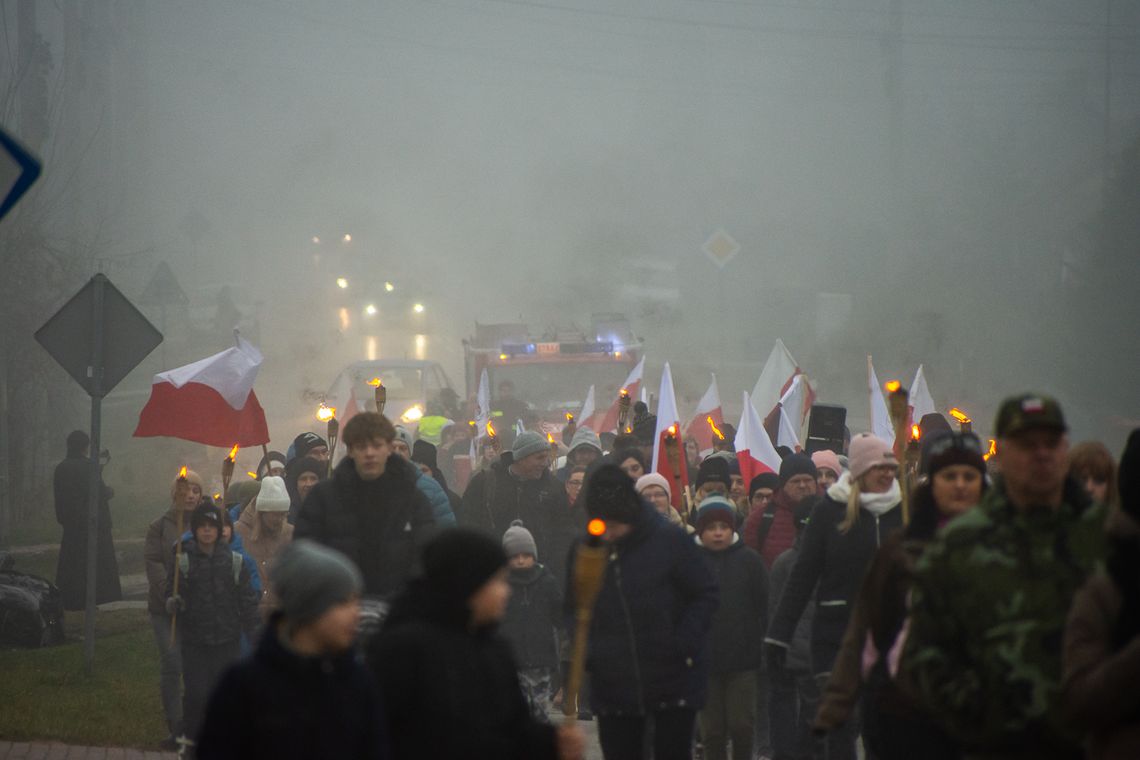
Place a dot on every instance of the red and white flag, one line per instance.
(607, 423)
(880, 416)
(708, 420)
(774, 379)
(754, 449)
(921, 402)
(587, 414)
(210, 401)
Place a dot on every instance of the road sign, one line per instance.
(18, 170)
(126, 336)
(98, 337)
(721, 248)
(163, 288)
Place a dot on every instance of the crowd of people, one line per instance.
(366, 610)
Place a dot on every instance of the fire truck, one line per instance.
(552, 371)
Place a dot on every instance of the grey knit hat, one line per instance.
(527, 443)
(404, 435)
(310, 578)
(518, 540)
(584, 436)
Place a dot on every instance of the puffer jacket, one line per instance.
(162, 536)
(217, 608)
(799, 653)
(737, 632)
(534, 613)
(648, 646)
(380, 524)
(830, 565)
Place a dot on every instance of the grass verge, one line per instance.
(47, 695)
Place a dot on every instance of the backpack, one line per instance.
(235, 558)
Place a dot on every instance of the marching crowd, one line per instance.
(366, 610)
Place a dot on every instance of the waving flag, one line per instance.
(210, 401)
(880, 416)
(707, 420)
(608, 422)
(587, 414)
(754, 449)
(482, 405)
(921, 402)
(774, 378)
(667, 415)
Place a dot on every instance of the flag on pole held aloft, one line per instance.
(669, 424)
(754, 449)
(210, 401)
(774, 379)
(707, 420)
(787, 434)
(880, 416)
(483, 405)
(607, 422)
(921, 402)
(587, 414)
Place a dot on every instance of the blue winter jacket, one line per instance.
(649, 636)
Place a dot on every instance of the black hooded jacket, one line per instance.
(451, 690)
(533, 614)
(380, 524)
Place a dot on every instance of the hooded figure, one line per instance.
(448, 679)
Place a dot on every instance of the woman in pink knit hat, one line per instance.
(846, 527)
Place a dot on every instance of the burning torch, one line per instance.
(571, 426)
(624, 403)
(496, 444)
(553, 452)
(228, 468)
(673, 454)
(381, 394)
(898, 402)
(327, 414)
(589, 571)
(965, 424)
(181, 488)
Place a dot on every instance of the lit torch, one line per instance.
(965, 424)
(898, 403)
(624, 403)
(381, 393)
(589, 572)
(993, 450)
(181, 488)
(496, 444)
(327, 414)
(715, 430)
(571, 426)
(553, 451)
(673, 455)
(228, 468)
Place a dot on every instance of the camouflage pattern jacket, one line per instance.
(988, 613)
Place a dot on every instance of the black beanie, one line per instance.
(306, 442)
(713, 470)
(425, 453)
(1128, 476)
(610, 495)
(764, 480)
(796, 464)
(460, 560)
(945, 448)
(931, 423)
(206, 512)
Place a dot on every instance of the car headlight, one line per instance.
(412, 414)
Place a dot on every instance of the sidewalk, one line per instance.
(56, 751)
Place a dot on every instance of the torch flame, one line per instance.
(672, 431)
(892, 386)
(251, 473)
(569, 417)
(992, 451)
(375, 382)
(960, 416)
(182, 473)
(596, 527)
(326, 413)
(550, 439)
(715, 429)
(233, 453)
(915, 432)
(624, 393)
(491, 429)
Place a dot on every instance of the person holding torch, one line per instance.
(648, 633)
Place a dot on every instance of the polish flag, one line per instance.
(586, 417)
(880, 416)
(921, 402)
(754, 449)
(608, 422)
(775, 379)
(787, 434)
(669, 423)
(707, 420)
(210, 401)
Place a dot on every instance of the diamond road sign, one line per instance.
(126, 336)
(721, 248)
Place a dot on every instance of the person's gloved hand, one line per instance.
(174, 604)
(775, 657)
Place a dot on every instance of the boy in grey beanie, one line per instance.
(533, 619)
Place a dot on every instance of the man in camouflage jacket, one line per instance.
(992, 592)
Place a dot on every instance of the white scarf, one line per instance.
(877, 504)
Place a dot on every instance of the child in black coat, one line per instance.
(448, 679)
(303, 693)
(533, 617)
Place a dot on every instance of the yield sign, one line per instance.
(18, 170)
(721, 248)
(98, 336)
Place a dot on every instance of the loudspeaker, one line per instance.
(826, 427)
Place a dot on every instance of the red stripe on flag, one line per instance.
(196, 412)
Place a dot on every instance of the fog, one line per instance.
(921, 181)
